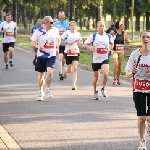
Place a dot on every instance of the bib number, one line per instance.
(49, 45)
(72, 52)
(9, 33)
(119, 47)
(101, 50)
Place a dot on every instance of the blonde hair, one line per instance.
(47, 19)
(101, 22)
(72, 22)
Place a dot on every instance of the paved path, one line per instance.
(71, 120)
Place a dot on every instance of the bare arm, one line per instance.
(127, 40)
(89, 47)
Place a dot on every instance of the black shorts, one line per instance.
(61, 49)
(140, 100)
(7, 45)
(97, 66)
(42, 63)
(70, 59)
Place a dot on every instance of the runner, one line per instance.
(62, 25)
(8, 29)
(138, 66)
(48, 45)
(112, 30)
(72, 38)
(38, 25)
(118, 53)
(102, 43)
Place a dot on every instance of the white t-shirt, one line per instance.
(47, 39)
(71, 37)
(8, 36)
(143, 66)
(102, 48)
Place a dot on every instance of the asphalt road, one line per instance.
(71, 120)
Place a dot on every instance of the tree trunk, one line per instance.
(137, 24)
(114, 12)
(147, 20)
(24, 15)
(34, 20)
(127, 22)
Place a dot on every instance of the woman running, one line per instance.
(71, 38)
(138, 66)
(118, 50)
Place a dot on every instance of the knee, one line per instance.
(75, 69)
(96, 79)
(142, 120)
(105, 75)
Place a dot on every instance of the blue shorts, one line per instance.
(42, 63)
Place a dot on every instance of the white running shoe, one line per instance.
(74, 87)
(115, 82)
(40, 96)
(142, 145)
(104, 92)
(96, 97)
(48, 92)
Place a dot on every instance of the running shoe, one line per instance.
(115, 82)
(96, 97)
(40, 96)
(104, 92)
(61, 77)
(6, 66)
(118, 82)
(48, 92)
(11, 64)
(142, 145)
(74, 87)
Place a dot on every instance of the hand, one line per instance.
(5, 30)
(92, 48)
(134, 70)
(57, 51)
(70, 43)
(40, 47)
(127, 40)
(148, 72)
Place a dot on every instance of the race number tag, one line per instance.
(100, 50)
(119, 47)
(49, 45)
(9, 33)
(72, 52)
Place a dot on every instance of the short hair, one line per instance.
(61, 12)
(101, 22)
(47, 19)
(8, 14)
(39, 20)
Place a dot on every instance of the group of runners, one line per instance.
(61, 39)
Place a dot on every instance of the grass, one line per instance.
(86, 58)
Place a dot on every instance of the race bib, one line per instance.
(119, 47)
(72, 52)
(9, 33)
(101, 50)
(49, 45)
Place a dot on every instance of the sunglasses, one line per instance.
(51, 22)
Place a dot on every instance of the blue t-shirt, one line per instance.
(62, 26)
(34, 28)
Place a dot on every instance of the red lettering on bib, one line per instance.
(141, 84)
(102, 50)
(119, 47)
(72, 52)
(9, 33)
(49, 45)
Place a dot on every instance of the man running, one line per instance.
(118, 50)
(47, 43)
(138, 67)
(102, 43)
(8, 29)
(62, 25)
(38, 25)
